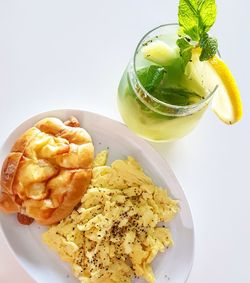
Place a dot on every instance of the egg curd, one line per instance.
(113, 235)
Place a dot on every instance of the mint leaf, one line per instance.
(171, 97)
(209, 47)
(207, 14)
(196, 17)
(185, 50)
(150, 77)
(188, 18)
(176, 96)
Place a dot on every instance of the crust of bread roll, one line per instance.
(11, 163)
(7, 204)
(56, 127)
(78, 187)
(9, 169)
(24, 140)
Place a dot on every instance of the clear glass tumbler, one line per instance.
(150, 117)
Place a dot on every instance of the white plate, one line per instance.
(172, 266)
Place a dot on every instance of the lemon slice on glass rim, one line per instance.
(226, 103)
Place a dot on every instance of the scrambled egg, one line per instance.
(113, 235)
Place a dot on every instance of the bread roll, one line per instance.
(47, 171)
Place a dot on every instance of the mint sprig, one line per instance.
(151, 77)
(196, 17)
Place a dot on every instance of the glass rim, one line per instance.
(190, 107)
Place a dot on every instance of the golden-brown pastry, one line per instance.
(47, 171)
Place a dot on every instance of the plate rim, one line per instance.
(136, 138)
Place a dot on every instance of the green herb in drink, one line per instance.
(175, 96)
(150, 77)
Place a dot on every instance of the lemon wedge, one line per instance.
(226, 103)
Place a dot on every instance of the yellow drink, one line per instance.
(173, 108)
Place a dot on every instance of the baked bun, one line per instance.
(47, 171)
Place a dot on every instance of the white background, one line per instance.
(71, 54)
